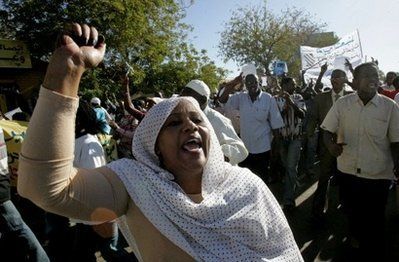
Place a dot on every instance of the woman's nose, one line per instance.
(189, 126)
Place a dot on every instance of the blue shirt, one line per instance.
(102, 119)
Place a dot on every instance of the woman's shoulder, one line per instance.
(243, 177)
(244, 185)
(122, 165)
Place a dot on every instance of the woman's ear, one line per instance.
(157, 151)
(159, 155)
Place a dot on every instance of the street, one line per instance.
(328, 241)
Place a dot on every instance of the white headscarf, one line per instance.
(238, 218)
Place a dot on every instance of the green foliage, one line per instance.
(257, 35)
(175, 74)
(147, 34)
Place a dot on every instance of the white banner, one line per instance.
(349, 47)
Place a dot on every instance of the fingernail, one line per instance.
(101, 39)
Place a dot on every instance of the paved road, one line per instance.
(328, 242)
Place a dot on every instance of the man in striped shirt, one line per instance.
(292, 108)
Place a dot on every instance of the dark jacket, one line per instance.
(321, 105)
(4, 188)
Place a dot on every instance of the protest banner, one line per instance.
(312, 58)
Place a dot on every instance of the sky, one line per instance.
(375, 19)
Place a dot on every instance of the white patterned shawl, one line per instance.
(239, 218)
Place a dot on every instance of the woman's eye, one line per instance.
(173, 123)
(197, 120)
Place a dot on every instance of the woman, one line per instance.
(179, 199)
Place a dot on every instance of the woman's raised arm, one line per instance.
(46, 175)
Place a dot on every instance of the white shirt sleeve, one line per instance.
(397, 98)
(331, 121)
(234, 102)
(89, 153)
(393, 128)
(232, 146)
(275, 119)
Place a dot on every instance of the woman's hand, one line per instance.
(78, 48)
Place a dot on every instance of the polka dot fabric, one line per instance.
(238, 219)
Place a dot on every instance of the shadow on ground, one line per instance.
(328, 241)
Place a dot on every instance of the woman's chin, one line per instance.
(193, 162)
(197, 164)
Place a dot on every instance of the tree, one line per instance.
(257, 35)
(147, 34)
(176, 73)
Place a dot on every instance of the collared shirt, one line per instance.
(292, 123)
(334, 95)
(257, 119)
(388, 87)
(367, 130)
(232, 146)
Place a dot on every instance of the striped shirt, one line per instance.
(292, 123)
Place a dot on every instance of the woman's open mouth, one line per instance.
(192, 145)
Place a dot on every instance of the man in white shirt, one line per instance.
(367, 147)
(259, 117)
(233, 148)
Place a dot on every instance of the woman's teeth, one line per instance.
(192, 145)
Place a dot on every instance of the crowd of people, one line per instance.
(191, 182)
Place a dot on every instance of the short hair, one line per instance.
(254, 75)
(286, 80)
(86, 118)
(20, 116)
(360, 67)
(338, 71)
(391, 73)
